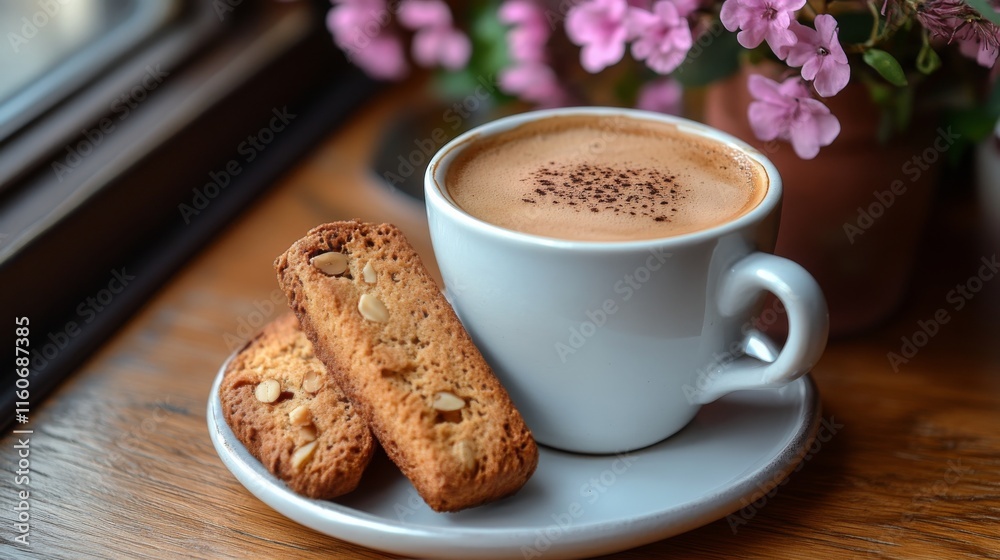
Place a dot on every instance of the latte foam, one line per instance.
(597, 178)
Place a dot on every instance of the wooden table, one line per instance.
(122, 465)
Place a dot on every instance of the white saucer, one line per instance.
(574, 505)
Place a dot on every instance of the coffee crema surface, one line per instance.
(595, 178)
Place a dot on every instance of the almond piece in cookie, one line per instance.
(280, 402)
(395, 346)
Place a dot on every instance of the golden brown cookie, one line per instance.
(283, 406)
(395, 346)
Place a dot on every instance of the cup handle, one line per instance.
(808, 326)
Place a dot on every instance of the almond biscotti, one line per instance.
(280, 402)
(395, 346)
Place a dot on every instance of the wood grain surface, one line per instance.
(122, 465)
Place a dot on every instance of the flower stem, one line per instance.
(873, 38)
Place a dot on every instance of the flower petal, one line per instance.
(826, 29)
(794, 88)
(811, 67)
(441, 46)
(663, 96)
(382, 58)
(639, 21)
(417, 14)
(456, 50)
(597, 56)
(804, 48)
(685, 7)
(767, 120)
(780, 39)
(666, 62)
(831, 78)
(752, 37)
(527, 42)
(730, 15)
(813, 127)
(513, 12)
(764, 89)
(599, 27)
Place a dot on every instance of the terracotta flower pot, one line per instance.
(853, 215)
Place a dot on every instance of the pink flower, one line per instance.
(981, 49)
(761, 20)
(662, 96)
(530, 78)
(527, 42)
(533, 82)
(820, 55)
(686, 7)
(513, 12)
(441, 46)
(979, 41)
(382, 59)
(355, 22)
(598, 26)
(786, 111)
(360, 29)
(436, 42)
(662, 37)
(418, 14)
(978, 38)
(530, 33)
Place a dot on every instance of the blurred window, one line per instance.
(56, 46)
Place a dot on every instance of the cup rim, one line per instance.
(435, 193)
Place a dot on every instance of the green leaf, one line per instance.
(489, 56)
(714, 55)
(488, 40)
(928, 60)
(887, 66)
(985, 9)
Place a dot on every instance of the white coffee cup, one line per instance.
(611, 346)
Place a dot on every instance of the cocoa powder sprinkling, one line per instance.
(639, 191)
